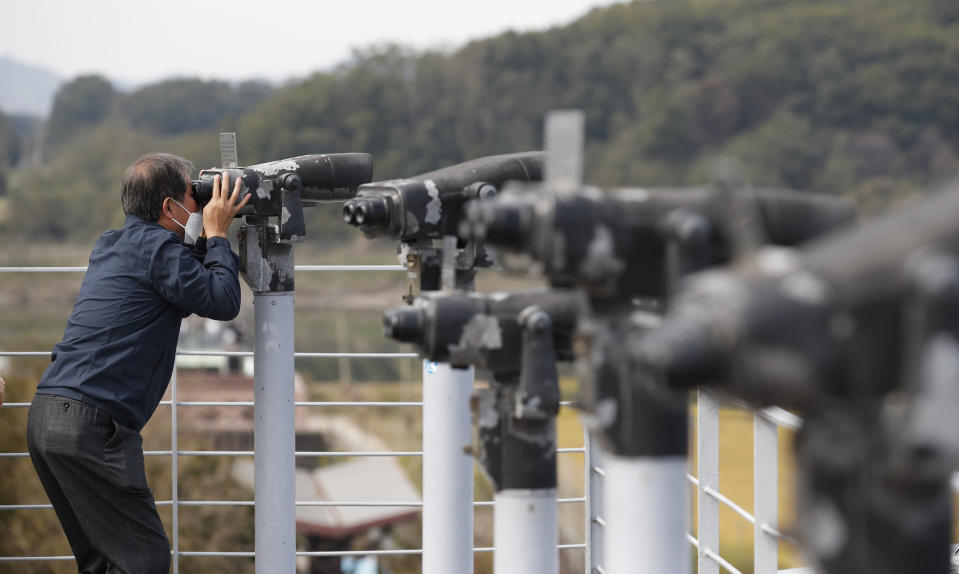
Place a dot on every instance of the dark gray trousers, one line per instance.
(92, 470)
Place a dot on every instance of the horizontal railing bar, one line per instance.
(597, 470)
(692, 479)
(721, 561)
(297, 453)
(323, 453)
(322, 503)
(215, 503)
(213, 353)
(712, 555)
(358, 404)
(42, 269)
(307, 355)
(50, 506)
(730, 504)
(304, 404)
(349, 268)
(781, 417)
(335, 553)
(245, 354)
(83, 269)
(34, 558)
(357, 355)
(777, 534)
(212, 403)
(220, 554)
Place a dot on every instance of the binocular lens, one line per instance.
(349, 213)
(404, 325)
(368, 211)
(500, 225)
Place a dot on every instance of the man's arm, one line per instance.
(211, 288)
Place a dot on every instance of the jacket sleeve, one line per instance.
(209, 289)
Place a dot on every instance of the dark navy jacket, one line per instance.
(118, 350)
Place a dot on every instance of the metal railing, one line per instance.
(709, 499)
(175, 503)
(766, 533)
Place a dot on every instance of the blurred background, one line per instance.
(858, 98)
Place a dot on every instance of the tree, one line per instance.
(80, 103)
(183, 105)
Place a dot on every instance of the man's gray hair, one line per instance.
(151, 179)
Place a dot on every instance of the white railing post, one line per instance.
(707, 440)
(595, 524)
(174, 472)
(766, 496)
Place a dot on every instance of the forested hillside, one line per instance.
(859, 97)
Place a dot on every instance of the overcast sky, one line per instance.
(136, 41)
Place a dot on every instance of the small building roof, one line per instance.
(374, 479)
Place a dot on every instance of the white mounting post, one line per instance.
(274, 437)
(447, 469)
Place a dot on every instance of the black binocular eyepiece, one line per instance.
(202, 190)
(367, 211)
(404, 324)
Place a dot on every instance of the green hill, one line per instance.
(859, 98)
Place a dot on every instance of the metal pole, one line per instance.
(525, 533)
(175, 473)
(765, 495)
(447, 469)
(707, 440)
(646, 515)
(595, 517)
(273, 434)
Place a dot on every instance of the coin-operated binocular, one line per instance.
(518, 337)
(619, 245)
(860, 333)
(282, 188)
(274, 219)
(419, 210)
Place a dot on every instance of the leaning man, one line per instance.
(108, 374)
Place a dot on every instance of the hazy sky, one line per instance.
(137, 41)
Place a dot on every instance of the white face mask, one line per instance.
(193, 227)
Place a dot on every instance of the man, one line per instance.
(114, 363)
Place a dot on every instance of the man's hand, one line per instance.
(221, 209)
